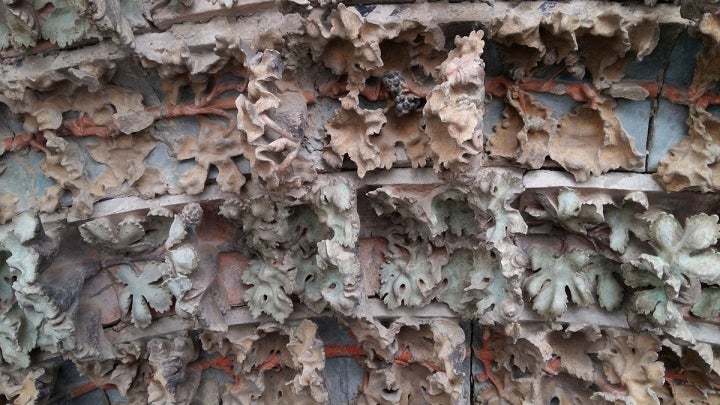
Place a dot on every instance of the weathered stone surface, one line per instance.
(273, 202)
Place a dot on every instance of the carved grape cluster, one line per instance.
(394, 83)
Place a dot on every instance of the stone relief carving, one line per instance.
(207, 203)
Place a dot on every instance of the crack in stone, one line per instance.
(655, 102)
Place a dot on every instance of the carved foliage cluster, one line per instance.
(447, 130)
(32, 314)
(690, 165)
(470, 244)
(267, 362)
(667, 268)
(588, 142)
(581, 364)
(422, 360)
(23, 23)
(414, 96)
(600, 42)
(454, 244)
(303, 245)
(594, 47)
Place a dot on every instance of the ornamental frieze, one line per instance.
(241, 202)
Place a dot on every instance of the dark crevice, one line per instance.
(472, 356)
(655, 103)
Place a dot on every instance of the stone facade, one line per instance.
(244, 202)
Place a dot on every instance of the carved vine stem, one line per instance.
(583, 92)
(487, 357)
(84, 126)
(580, 92)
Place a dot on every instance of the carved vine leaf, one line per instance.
(264, 220)
(195, 268)
(312, 282)
(161, 369)
(410, 275)
(683, 258)
(576, 272)
(454, 109)
(271, 284)
(277, 363)
(141, 294)
(172, 381)
(524, 133)
(349, 44)
(272, 125)
(374, 337)
(599, 272)
(183, 258)
(18, 28)
(308, 357)
(574, 211)
(65, 162)
(309, 240)
(454, 279)
(576, 350)
(690, 164)
(24, 241)
(683, 254)
(626, 219)
(708, 305)
(338, 278)
(410, 208)
(590, 141)
(34, 387)
(431, 213)
(406, 130)
(632, 361)
(53, 26)
(428, 357)
(352, 131)
(18, 336)
(497, 192)
(129, 356)
(66, 24)
(451, 214)
(216, 144)
(131, 234)
(658, 303)
(396, 384)
(124, 158)
(605, 145)
(473, 285)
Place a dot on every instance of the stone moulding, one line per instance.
(248, 201)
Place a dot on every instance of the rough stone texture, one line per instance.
(320, 202)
